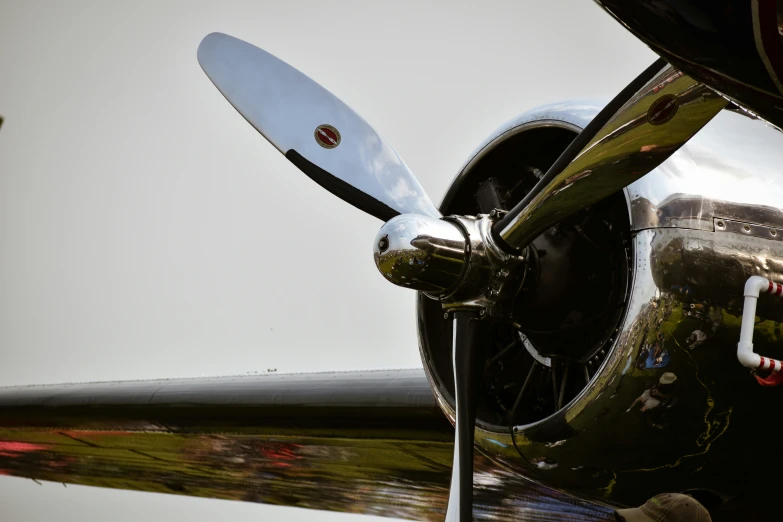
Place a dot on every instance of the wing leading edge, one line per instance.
(361, 442)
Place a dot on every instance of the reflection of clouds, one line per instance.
(487, 480)
(386, 177)
(401, 191)
(733, 158)
(578, 112)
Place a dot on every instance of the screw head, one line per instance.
(383, 244)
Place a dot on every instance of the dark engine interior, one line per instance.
(574, 295)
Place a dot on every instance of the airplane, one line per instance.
(586, 274)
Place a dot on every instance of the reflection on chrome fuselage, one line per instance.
(671, 408)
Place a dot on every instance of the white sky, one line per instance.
(146, 230)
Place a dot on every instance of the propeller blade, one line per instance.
(316, 131)
(644, 125)
(467, 379)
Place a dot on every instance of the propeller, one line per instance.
(316, 131)
(335, 147)
(340, 151)
(467, 380)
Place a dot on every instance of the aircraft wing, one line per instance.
(360, 442)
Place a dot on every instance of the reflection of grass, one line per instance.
(637, 454)
(387, 263)
(171, 451)
(275, 469)
(386, 477)
(644, 104)
(688, 118)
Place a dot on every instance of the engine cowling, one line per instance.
(615, 374)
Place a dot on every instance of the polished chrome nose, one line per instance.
(421, 252)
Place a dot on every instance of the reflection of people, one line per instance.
(685, 290)
(657, 358)
(695, 339)
(641, 359)
(652, 397)
(715, 318)
(666, 507)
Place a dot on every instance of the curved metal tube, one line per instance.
(745, 353)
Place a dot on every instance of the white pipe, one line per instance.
(753, 287)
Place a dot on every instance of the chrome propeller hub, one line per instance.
(454, 260)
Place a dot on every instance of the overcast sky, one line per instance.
(146, 230)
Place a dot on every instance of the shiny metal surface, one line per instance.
(492, 276)
(422, 253)
(631, 144)
(571, 116)
(731, 169)
(748, 229)
(455, 260)
(289, 109)
(671, 409)
(714, 267)
(468, 291)
(358, 442)
(728, 174)
(238, 402)
(733, 45)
